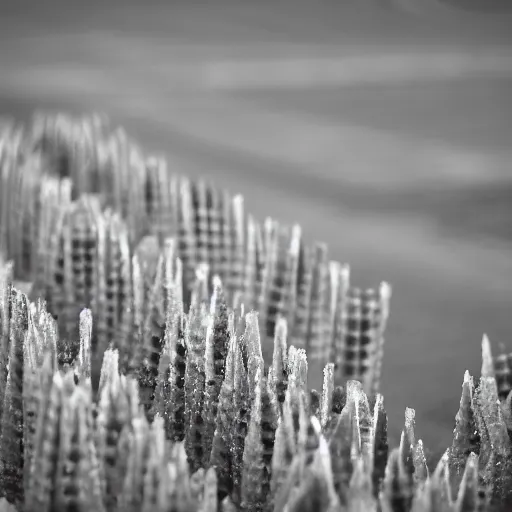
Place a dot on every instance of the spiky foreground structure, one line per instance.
(140, 385)
(218, 432)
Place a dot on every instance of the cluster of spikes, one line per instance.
(87, 219)
(132, 368)
(210, 429)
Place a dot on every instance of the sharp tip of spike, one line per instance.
(410, 414)
(385, 290)
(315, 423)
(487, 359)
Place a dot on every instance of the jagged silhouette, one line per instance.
(132, 370)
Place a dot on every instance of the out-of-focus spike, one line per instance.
(487, 360)
(226, 250)
(281, 461)
(441, 490)
(318, 347)
(238, 245)
(202, 235)
(293, 272)
(385, 292)
(300, 324)
(76, 475)
(215, 241)
(467, 498)
(340, 446)
(138, 293)
(155, 467)
(98, 299)
(252, 265)
(269, 417)
(315, 490)
(334, 292)
(109, 369)
(42, 480)
(503, 374)
(306, 436)
(200, 288)
(322, 462)
(158, 204)
(209, 503)
(420, 464)
(341, 319)
(197, 486)
(124, 332)
(406, 456)
(360, 494)
(422, 500)
(227, 505)
(37, 381)
(268, 272)
(187, 246)
(397, 490)
(253, 476)
(217, 294)
(132, 493)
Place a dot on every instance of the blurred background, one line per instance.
(383, 127)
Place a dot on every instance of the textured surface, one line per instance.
(447, 290)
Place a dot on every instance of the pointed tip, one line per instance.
(281, 329)
(295, 240)
(472, 461)
(268, 223)
(299, 367)
(443, 463)
(402, 441)
(57, 379)
(217, 282)
(315, 423)
(487, 360)
(386, 291)
(328, 371)
(238, 199)
(354, 390)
